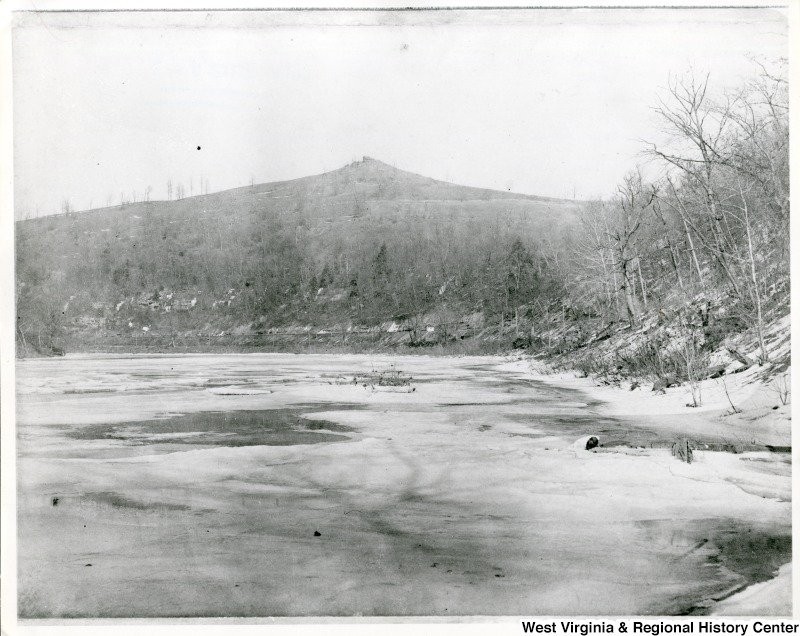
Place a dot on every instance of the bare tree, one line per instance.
(680, 208)
(760, 115)
(634, 200)
(596, 268)
(669, 243)
(753, 286)
(698, 129)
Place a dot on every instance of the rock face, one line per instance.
(717, 371)
(662, 384)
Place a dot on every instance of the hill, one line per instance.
(349, 249)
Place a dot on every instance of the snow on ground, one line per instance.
(763, 418)
(759, 422)
(761, 599)
(465, 496)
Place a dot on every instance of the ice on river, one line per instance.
(296, 485)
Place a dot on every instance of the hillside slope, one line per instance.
(347, 249)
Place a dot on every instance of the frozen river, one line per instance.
(297, 485)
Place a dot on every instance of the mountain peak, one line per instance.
(369, 162)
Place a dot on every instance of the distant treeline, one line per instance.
(278, 270)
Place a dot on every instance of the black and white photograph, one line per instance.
(391, 313)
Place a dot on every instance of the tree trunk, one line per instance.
(755, 292)
(672, 250)
(641, 281)
(630, 305)
(721, 252)
(675, 264)
(694, 253)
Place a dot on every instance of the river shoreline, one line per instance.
(458, 493)
(764, 421)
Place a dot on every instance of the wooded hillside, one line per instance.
(355, 247)
(688, 258)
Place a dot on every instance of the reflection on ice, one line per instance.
(273, 427)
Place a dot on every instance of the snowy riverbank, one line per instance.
(762, 419)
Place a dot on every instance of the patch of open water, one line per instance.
(272, 427)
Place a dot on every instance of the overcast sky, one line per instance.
(545, 102)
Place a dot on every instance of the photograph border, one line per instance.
(260, 625)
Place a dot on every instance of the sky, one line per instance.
(547, 102)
